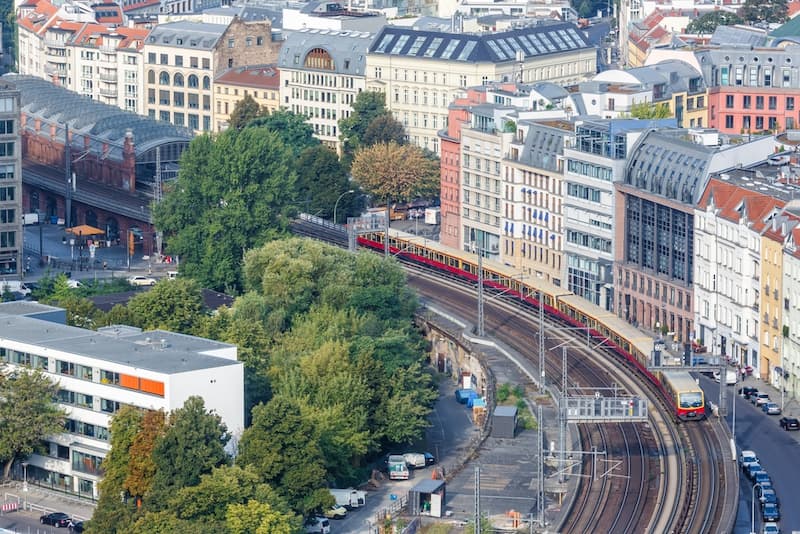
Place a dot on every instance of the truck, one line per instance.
(397, 467)
(349, 498)
(730, 377)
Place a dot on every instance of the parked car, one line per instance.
(771, 528)
(56, 519)
(317, 525)
(336, 512)
(771, 512)
(419, 460)
(746, 458)
(759, 398)
(771, 408)
(141, 281)
(790, 423)
(768, 496)
(752, 469)
(747, 391)
(76, 527)
(762, 477)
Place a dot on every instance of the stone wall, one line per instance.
(242, 54)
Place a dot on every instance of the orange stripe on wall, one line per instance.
(152, 386)
(129, 381)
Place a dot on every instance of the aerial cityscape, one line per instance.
(398, 267)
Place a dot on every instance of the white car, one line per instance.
(771, 528)
(317, 525)
(141, 281)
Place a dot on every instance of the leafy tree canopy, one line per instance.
(393, 172)
(708, 22)
(384, 129)
(648, 110)
(28, 413)
(192, 444)
(321, 181)
(228, 199)
(292, 129)
(174, 305)
(244, 111)
(368, 106)
(764, 11)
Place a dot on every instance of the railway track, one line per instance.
(664, 479)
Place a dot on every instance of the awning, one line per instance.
(85, 229)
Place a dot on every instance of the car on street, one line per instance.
(747, 391)
(419, 460)
(336, 512)
(771, 408)
(317, 525)
(746, 458)
(759, 398)
(762, 477)
(56, 519)
(768, 496)
(771, 512)
(771, 528)
(140, 280)
(790, 423)
(752, 469)
(76, 527)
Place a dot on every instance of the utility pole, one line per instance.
(562, 416)
(541, 343)
(540, 469)
(386, 235)
(68, 178)
(158, 195)
(477, 498)
(481, 323)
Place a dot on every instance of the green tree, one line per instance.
(9, 17)
(114, 510)
(291, 128)
(165, 522)
(228, 198)
(764, 11)
(368, 106)
(393, 172)
(259, 518)
(28, 413)
(280, 446)
(244, 111)
(321, 179)
(384, 129)
(141, 467)
(192, 444)
(173, 305)
(648, 111)
(706, 24)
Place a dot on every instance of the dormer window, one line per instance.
(179, 41)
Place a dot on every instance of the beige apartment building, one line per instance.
(421, 72)
(11, 262)
(261, 82)
(182, 59)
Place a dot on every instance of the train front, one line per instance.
(691, 405)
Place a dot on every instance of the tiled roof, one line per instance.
(735, 202)
(259, 76)
(538, 40)
(97, 34)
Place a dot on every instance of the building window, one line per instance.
(6, 149)
(259, 41)
(728, 121)
(151, 57)
(759, 102)
(164, 59)
(773, 102)
(7, 239)
(248, 42)
(179, 61)
(6, 127)
(231, 43)
(747, 101)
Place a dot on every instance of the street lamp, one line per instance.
(753, 509)
(336, 204)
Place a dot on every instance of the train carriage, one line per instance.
(687, 397)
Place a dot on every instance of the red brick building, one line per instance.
(116, 159)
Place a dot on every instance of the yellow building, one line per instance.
(773, 238)
(261, 82)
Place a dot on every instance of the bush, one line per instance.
(503, 393)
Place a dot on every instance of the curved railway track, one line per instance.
(665, 481)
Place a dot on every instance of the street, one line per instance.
(775, 448)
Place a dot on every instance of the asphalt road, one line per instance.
(28, 523)
(777, 450)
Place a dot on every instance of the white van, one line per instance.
(317, 525)
(15, 286)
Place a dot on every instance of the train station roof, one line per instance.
(105, 125)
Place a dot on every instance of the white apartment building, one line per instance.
(99, 372)
(727, 267)
(791, 313)
(69, 45)
(322, 72)
(330, 15)
(421, 72)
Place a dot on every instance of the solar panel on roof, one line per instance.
(433, 46)
(496, 49)
(575, 35)
(507, 48)
(385, 40)
(467, 50)
(557, 40)
(538, 44)
(398, 46)
(567, 39)
(550, 46)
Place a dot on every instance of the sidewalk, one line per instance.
(43, 501)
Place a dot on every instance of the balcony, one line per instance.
(108, 92)
(110, 77)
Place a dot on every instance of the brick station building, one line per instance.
(114, 158)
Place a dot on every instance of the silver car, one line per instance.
(772, 408)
